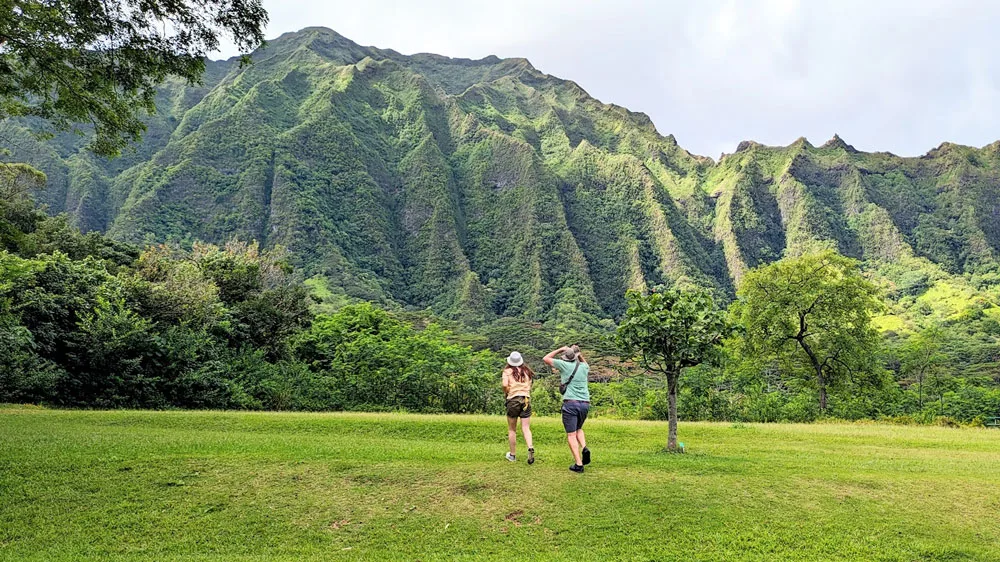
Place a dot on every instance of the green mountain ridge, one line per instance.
(486, 188)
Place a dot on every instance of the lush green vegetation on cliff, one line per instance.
(485, 189)
(87, 321)
(516, 208)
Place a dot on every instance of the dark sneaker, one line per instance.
(531, 456)
(576, 468)
(585, 453)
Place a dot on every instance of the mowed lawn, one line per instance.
(129, 485)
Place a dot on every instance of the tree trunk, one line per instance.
(672, 416)
(819, 372)
(822, 389)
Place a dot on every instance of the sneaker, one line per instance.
(576, 468)
(585, 453)
(510, 457)
(531, 456)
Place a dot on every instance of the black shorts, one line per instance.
(574, 413)
(518, 407)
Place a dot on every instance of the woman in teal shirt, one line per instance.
(573, 371)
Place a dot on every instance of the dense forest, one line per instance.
(346, 227)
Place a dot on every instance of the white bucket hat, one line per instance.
(515, 359)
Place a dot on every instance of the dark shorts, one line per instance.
(574, 414)
(518, 407)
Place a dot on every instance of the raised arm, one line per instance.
(552, 355)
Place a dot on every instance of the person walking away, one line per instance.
(573, 371)
(516, 383)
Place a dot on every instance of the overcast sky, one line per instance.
(885, 75)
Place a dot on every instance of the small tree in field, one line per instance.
(667, 331)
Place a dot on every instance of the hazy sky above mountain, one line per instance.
(900, 76)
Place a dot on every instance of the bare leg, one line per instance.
(526, 432)
(512, 433)
(581, 438)
(574, 446)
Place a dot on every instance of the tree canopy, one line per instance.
(814, 310)
(923, 361)
(82, 61)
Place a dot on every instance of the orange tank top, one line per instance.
(515, 388)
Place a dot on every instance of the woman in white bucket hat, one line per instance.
(517, 390)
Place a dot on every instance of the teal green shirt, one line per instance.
(577, 390)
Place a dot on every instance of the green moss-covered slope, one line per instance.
(485, 188)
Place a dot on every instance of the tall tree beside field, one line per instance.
(923, 360)
(668, 331)
(812, 315)
(99, 63)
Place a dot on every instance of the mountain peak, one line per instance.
(322, 41)
(944, 149)
(318, 29)
(329, 35)
(746, 145)
(837, 142)
(308, 33)
(452, 75)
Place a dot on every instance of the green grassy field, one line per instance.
(265, 486)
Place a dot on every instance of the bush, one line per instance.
(24, 376)
(374, 359)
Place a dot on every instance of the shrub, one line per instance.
(374, 359)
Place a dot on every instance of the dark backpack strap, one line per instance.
(564, 386)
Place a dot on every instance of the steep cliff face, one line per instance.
(486, 188)
(942, 206)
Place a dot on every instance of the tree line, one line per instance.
(799, 343)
